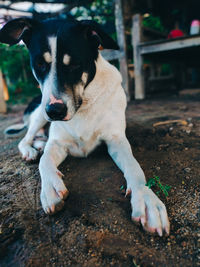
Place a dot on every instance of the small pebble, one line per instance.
(184, 244)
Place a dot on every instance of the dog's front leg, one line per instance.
(37, 121)
(53, 189)
(147, 208)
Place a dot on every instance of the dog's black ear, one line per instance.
(16, 30)
(98, 35)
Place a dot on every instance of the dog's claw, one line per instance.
(136, 219)
(63, 194)
(143, 221)
(59, 173)
(48, 211)
(60, 194)
(159, 231)
(53, 208)
(128, 192)
(151, 229)
(167, 230)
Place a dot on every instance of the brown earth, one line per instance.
(95, 228)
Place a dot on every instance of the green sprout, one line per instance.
(155, 181)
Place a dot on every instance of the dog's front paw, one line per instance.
(28, 152)
(52, 195)
(148, 209)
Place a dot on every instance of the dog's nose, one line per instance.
(56, 111)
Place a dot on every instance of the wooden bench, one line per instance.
(182, 49)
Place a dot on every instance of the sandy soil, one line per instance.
(95, 228)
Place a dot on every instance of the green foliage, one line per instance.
(166, 69)
(99, 10)
(155, 181)
(153, 23)
(15, 65)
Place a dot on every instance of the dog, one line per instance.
(83, 99)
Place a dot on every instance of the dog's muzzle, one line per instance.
(56, 109)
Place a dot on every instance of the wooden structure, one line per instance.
(181, 52)
(169, 50)
(3, 107)
(121, 54)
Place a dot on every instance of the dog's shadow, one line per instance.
(95, 186)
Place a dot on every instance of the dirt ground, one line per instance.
(95, 227)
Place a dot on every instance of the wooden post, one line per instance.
(138, 60)
(119, 23)
(3, 108)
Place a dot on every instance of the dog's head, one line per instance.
(63, 55)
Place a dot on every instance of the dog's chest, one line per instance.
(81, 136)
(82, 145)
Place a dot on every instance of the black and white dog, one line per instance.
(83, 99)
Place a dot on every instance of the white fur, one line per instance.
(101, 117)
(50, 84)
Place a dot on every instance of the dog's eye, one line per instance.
(74, 67)
(80, 101)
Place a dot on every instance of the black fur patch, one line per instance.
(33, 105)
(15, 131)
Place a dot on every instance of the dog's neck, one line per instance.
(106, 79)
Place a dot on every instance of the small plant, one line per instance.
(155, 181)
